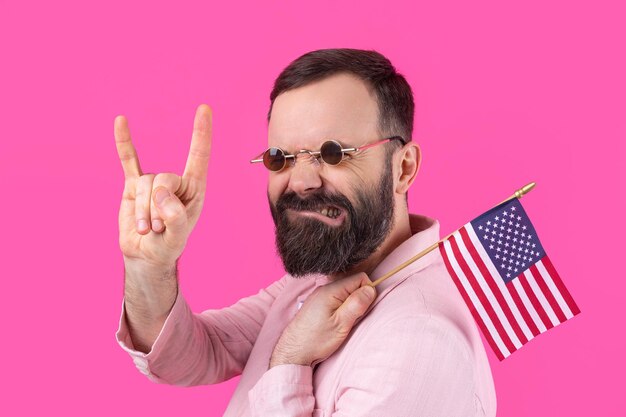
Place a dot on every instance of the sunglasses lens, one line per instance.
(274, 159)
(331, 152)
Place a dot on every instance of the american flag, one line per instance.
(506, 279)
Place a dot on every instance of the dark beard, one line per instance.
(309, 246)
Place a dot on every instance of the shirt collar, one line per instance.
(425, 232)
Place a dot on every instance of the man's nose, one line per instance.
(305, 174)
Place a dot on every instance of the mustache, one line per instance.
(313, 202)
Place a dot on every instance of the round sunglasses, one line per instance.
(331, 153)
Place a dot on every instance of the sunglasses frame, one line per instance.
(318, 154)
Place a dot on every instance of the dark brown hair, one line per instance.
(395, 98)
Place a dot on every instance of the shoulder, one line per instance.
(415, 363)
(428, 294)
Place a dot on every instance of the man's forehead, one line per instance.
(340, 107)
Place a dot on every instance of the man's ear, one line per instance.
(410, 162)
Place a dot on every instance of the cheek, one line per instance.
(347, 179)
(276, 185)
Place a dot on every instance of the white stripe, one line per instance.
(542, 299)
(499, 282)
(529, 306)
(475, 301)
(495, 305)
(554, 290)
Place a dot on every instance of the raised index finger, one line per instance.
(125, 148)
(200, 148)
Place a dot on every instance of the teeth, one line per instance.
(330, 212)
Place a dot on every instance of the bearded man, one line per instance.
(321, 340)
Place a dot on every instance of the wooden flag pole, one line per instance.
(519, 194)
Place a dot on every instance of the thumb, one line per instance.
(171, 210)
(356, 304)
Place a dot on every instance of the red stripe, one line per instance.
(559, 284)
(548, 294)
(481, 295)
(469, 303)
(535, 302)
(492, 285)
(522, 308)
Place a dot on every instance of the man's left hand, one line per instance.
(324, 321)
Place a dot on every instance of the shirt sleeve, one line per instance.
(283, 391)
(202, 348)
(416, 366)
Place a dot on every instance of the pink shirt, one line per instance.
(417, 352)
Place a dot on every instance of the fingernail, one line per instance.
(142, 225)
(161, 195)
(157, 225)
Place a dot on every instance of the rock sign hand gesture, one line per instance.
(158, 212)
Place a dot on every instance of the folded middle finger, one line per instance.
(170, 181)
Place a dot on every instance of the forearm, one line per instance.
(149, 294)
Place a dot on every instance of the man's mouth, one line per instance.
(331, 215)
(332, 212)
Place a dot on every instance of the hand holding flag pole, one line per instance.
(504, 276)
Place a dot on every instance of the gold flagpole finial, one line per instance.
(521, 192)
(525, 189)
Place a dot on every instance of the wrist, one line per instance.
(150, 270)
(287, 356)
(150, 290)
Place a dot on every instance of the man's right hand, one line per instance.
(156, 217)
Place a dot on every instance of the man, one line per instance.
(321, 340)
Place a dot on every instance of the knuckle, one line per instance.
(144, 183)
(164, 178)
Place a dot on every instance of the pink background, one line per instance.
(506, 93)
